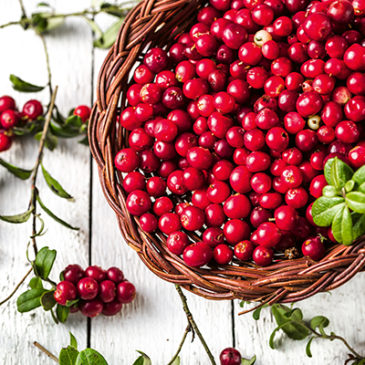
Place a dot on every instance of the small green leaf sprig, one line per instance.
(342, 204)
(290, 321)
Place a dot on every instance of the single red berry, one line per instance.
(236, 230)
(112, 308)
(138, 202)
(356, 156)
(317, 185)
(286, 217)
(214, 215)
(197, 254)
(192, 218)
(314, 248)
(267, 234)
(73, 273)
(213, 236)
(169, 222)
(222, 254)
(95, 272)
(126, 292)
(262, 255)
(317, 26)
(126, 160)
(5, 141)
(91, 308)
(83, 111)
(115, 274)
(243, 250)
(6, 103)
(87, 288)
(296, 197)
(176, 242)
(9, 118)
(64, 292)
(237, 206)
(230, 356)
(107, 291)
(218, 192)
(148, 222)
(32, 109)
(156, 59)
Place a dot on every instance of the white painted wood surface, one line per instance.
(155, 321)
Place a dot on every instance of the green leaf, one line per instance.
(47, 300)
(340, 173)
(308, 347)
(356, 201)
(74, 121)
(63, 131)
(55, 186)
(62, 313)
(50, 142)
(257, 312)
(319, 321)
(36, 283)
(84, 141)
(53, 23)
(359, 175)
(73, 341)
(44, 262)
(70, 303)
(329, 191)
(349, 186)
(24, 86)
(327, 171)
(68, 356)
(90, 357)
(176, 361)
(324, 209)
(29, 300)
(143, 359)
(249, 361)
(272, 338)
(109, 36)
(358, 228)
(52, 215)
(346, 227)
(361, 188)
(337, 225)
(94, 27)
(16, 171)
(17, 218)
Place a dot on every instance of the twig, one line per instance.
(17, 287)
(33, 199)
(44, 350)
(190, 318)
(46, 53)
(24, 14)
(187, 330)
(16, 22)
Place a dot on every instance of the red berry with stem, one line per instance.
(83, 111)
(65, 291)
(230, 356)
(262, 255)
(32, 109)
(126, 292)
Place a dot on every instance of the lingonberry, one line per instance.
(164, 79)
(73, 273)
(259, 215)
(243, 250)
(126, 292)
(306, 140)
(257, 161)
(169, 222)
(219, 124)
(199, 157)
(173, 98)
(218, 191)
(230, 356)
(239, 89)
(286, 217)
(192, 218)
(139, 139)
(9, 119)
(107, 291)
(355, 108)
(148, 222)
(65, 291)
(309, 103)
(296, 197)
(176, 242)
(277, 139)
(6, 103)
(250, 53)
(126, 160)
(83, 111)
(193, 178)
(87, 288)
(156, 186)
(237, 206)
(270, 50)
(200, 199)
(293, 122)
(291, 176)
(91, 308)
(256, 77)
(293, 81)
(287, 100)
(214, 215)
(236, 230)
(354, 57)
(138, 202)
(331, 114)
(317, 185)
(317, 26)
(112, 308)
(197, 254)
(5, 141)
(270, 200)
(263, 255)
(356, 83)
(175, 182)
(115, 274)
(32, 109)
(356, 156)
(156, 59)
(347, 132)
(260, 182)
(292, 156)
(323, 84)
(222, 169)
(213, 236)
(254, 139)
(314, 248)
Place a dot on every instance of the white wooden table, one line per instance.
(155, 322)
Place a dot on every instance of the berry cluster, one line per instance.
(229, 129)
(32, 110)
(94, 290)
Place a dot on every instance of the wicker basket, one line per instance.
(156, 23)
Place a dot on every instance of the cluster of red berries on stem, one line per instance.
(94, 291)
(237, 119)
(32, 111)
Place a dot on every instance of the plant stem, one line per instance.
(190, 318)
(24, 14)
(17, 287)
(16, 22)
(187, 330)
(46, 53)
(34, 192)
(44, 350)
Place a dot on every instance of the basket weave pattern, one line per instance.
(155, 23)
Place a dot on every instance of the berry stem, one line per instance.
(187, 330)
(22, 7)
(46, 53)
(44, 350)
(17, 287)
(190, 318)
(34, 191)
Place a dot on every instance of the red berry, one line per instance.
(138, 202)
(262, 255)
(32, 109)
(9, 118)
(230, 356)
(222, 254)
(317, 26)
(286, 217)
(218, 192)
(83, 111)
(91, 308)
(314, 248)
(148, 222)
(6, 103)
(237, 206)
(243, 250)
(267, 234)
(115, 274)
(317, 185)
(192, 218)
(236, 230)
(73, 273)
(107, 291)
(126, 292)
(126, 160)
(87, 288)
(111, 308)
(95, 272)
(197, 254)
(176, 242)
(65, 291)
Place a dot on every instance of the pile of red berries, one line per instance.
(32, 110)
(237, 119)
(94, 290)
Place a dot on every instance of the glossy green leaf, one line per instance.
(143, 359)
(356, 201)
(337, 225)
(90, 357)
(55, 186)
(319, 321)
(74, 121)
(47, 300)
(44, 262)
(36, 283)
(73, 341)
(340, 173)
(52, 215)
(257, 312)
(63, 131)
(177, 361)
(16, 171)
(29, 300)
(349, 186)
(68, 356)
(308, 347)
(359, 175)
(62, 313)
(346, 227)
(109, 36)
(327, 171)
(249, 361)
(329, 191)
(94, 27)
(358, 228)
(361, 188)
(324, 210)
(24, 86)
(17, 218)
